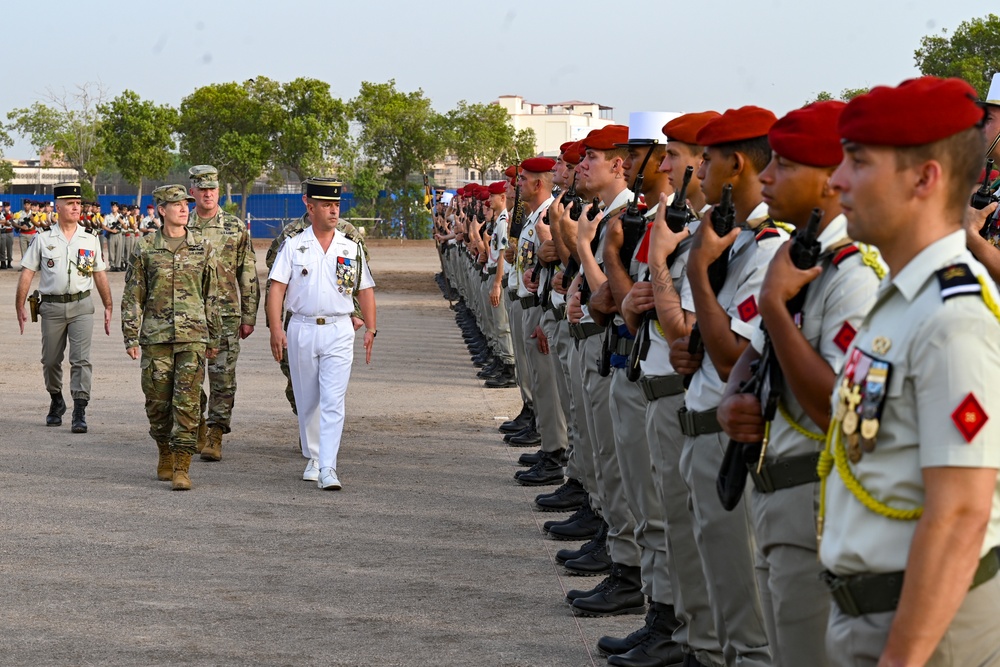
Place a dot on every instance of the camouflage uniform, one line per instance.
(288, 231)
(239, 296)
(170, 308)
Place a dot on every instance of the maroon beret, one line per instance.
(747, 122)
(573, 153)
(685, 128)
(809, 135)
(606, 138)
(483, 194)
(511, 171)
(497, 187)
(538, 165)
(916, 112)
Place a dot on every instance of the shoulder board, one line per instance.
(844, 253)
(956, 280)
(768, 233)
(784, 225)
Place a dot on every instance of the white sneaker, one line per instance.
(328, 479)
(312, 471)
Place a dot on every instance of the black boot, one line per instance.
(489, 369)
(583, 525)
(573, 594)
(657, 649)
(599, 541)
(519, 422)
(57, 408)
(547, 471)
(622, 595)
(525, 430)
(505, 379)
(79, 415)
(618, 645)
(691, 661)
(530, 439)
(595, 562)
(568, 497)
(529, 459)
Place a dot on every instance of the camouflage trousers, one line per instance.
(222, 378)
(171, 377)
(287, 372)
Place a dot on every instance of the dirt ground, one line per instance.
(430, 555)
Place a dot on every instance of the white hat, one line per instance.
(646, 127)
(993, 97)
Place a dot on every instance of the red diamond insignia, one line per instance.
(845, 336)
(748, 309)
(969, 417)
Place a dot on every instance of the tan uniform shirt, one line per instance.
(62, 264)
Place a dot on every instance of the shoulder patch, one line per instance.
(768, 233)
(844, 253)
(956, 280)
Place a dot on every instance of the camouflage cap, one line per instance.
(166, 194)
(204, 176)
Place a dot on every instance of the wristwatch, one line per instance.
(374, 332)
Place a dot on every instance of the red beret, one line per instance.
(511, 171)
(605, 138)
(747, 122)
(916, 112)
(497, 187)
(809, 135)
(483, 194)
(573, 153)
(565, 145)
(460, 192)
(538, 165)
(685, 128)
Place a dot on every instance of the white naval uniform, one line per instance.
(320, 334)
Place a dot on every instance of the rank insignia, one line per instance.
(748, 309)
(845, 336)
(302, 248)
(969, 417)
(881, 345)
(50, 247)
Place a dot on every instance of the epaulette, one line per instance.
(767, 233)
(784, 225)
(956, 280)
(844, 253)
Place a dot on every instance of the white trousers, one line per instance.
(320, 358)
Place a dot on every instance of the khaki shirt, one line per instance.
(527, 246)
(942, 351)
(835, 304)
(748, 260)
(62, 263)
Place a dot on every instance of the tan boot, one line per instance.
(213, 450)
(165, 464)
(202, 436)
(182, 462)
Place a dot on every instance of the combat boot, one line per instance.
(595, 562)
(203, 436)
(547, 471)
(622, 595)
(599, 541)
(57, 408)
(568, 497)
(79, 415)
(529, 460)
(519, 422)
(181, 478)
(505, 379)
(582, 525)
(165, 464)
(530, 439)
(657, 648)
(213, 450)
(574, 594)
(617, 645)
(489, 369)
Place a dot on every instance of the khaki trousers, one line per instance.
(71, 322)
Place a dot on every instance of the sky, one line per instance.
(642, 55)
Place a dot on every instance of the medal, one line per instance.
(853, 449)
(50, 263)
(305, 272)
(850, 425)
(869, 429)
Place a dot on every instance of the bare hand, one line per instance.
(547, 252)
(245, 330)
(508, 254)
(638, 300)
(662, 241)
(708, 246)
(369, 342)
(684, 362)
(574, 311)
(783, 280)
(975, 219)
(614, 236)
(529, 284)
(741, 419)
(22, 317)
(107, 319)
(357, 322)
(557, 282)
(211, 353)
(495, 293)
(278, 342)
(543, 341)
(585, 227)
(603, 300)
(132, 352)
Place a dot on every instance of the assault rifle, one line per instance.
(982, 198)
(723, 219)
(766, 381)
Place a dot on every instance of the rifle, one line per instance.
(723, 219)
(633, 222)
(678, 216)
(596, 241)
(766, 381)
(982, 198)
(574, 203)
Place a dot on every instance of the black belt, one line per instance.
(584, 330)
(877, 593)
(658, 386)
(785, 473)
(559, 311)
(65, 298)
(512, 294)
(529, 301)
(698, 423)
(491, 271)
(624, 347)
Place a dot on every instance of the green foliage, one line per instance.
(138, 136)
(68, 125)
(479, 135)
(972, 52)
(6, 170)
(847, 94)
(310, 132)
(228, 125)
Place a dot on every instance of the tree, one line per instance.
(6, 170)
(138, 136)
(972, 52)
(398, 136)
(481, 137)
(311, 133)
(846, 95)
(228, 125)
(68, 127)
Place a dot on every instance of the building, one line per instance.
(31, 178)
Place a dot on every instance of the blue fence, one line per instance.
(267, 213)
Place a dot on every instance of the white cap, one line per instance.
(993, 97)
(647, 126)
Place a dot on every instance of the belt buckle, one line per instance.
(841, 593)
(320, 320)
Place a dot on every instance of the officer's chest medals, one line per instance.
(861, 397)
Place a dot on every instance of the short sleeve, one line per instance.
(281, 271)
(32, 259)
(852, 293)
